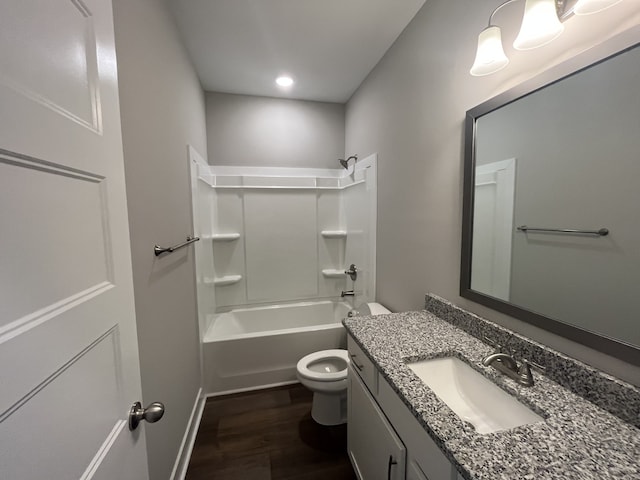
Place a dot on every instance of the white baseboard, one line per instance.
(186, 447)
(251, 389)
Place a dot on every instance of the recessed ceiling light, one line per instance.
(284, 81)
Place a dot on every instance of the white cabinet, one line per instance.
(414, 472)
(424, 459)
(375, 450)
(381, 427)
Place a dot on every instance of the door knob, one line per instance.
(151, 414)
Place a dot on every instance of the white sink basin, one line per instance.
(473, 397)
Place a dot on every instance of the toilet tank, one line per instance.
(371, 308)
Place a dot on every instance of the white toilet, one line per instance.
(325, 374)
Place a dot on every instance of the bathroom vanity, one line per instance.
(400, 429)
(385, 441)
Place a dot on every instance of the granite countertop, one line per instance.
(578, 440)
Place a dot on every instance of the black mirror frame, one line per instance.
(614, 347)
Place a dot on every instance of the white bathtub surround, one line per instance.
(275, 245)
(258, 347)
(287, 234)
(202, 202)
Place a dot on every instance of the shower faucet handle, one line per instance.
(352, 272)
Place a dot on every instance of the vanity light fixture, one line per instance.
(284, 81)
(587, 7)
(541, 23)
(490, 56)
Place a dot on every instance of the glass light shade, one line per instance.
(587, 7)
(490, 56)
(540, 25)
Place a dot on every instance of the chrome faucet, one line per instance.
(506, 364)
(348, 293)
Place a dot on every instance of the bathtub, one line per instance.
(251, 348)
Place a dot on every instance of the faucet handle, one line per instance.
(499, 347)
(524, 371)
(491, 342)
(535, 365)
(525, 367)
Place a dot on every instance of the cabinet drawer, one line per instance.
(424, 457)
(363, 366)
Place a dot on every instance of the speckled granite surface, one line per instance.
(577, 440)
(610, 393)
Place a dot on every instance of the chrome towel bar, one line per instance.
(158, 250)
(602, 232)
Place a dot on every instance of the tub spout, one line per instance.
(348, 293)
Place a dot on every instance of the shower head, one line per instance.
(345, 163)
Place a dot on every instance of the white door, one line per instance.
(69, 367)
(494, 199)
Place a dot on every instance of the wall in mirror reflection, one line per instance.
(566, 156)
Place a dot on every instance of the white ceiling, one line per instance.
(327, 46)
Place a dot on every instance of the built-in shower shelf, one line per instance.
(222, 281)
(333, 233)
(333, 273)
(225, 237)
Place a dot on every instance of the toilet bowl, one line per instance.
(325, 374)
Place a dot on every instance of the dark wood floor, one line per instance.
(267, 435)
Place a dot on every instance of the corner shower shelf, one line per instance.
(222, 281)
(225, 237)
(333, 233)
(333, 273)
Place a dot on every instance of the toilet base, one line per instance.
(329, 409)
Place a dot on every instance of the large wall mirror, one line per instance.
(551, 231)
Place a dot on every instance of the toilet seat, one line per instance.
(306, 363)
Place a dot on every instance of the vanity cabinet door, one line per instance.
(414, 472)
(375, 450)
(425, 460)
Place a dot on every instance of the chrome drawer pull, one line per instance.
(353, 360)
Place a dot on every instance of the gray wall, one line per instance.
(260, 131)
(162, 109)
(411, 111)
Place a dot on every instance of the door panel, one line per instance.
(60, 73)
(68, 350)
(71, 208)
(78, 404)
